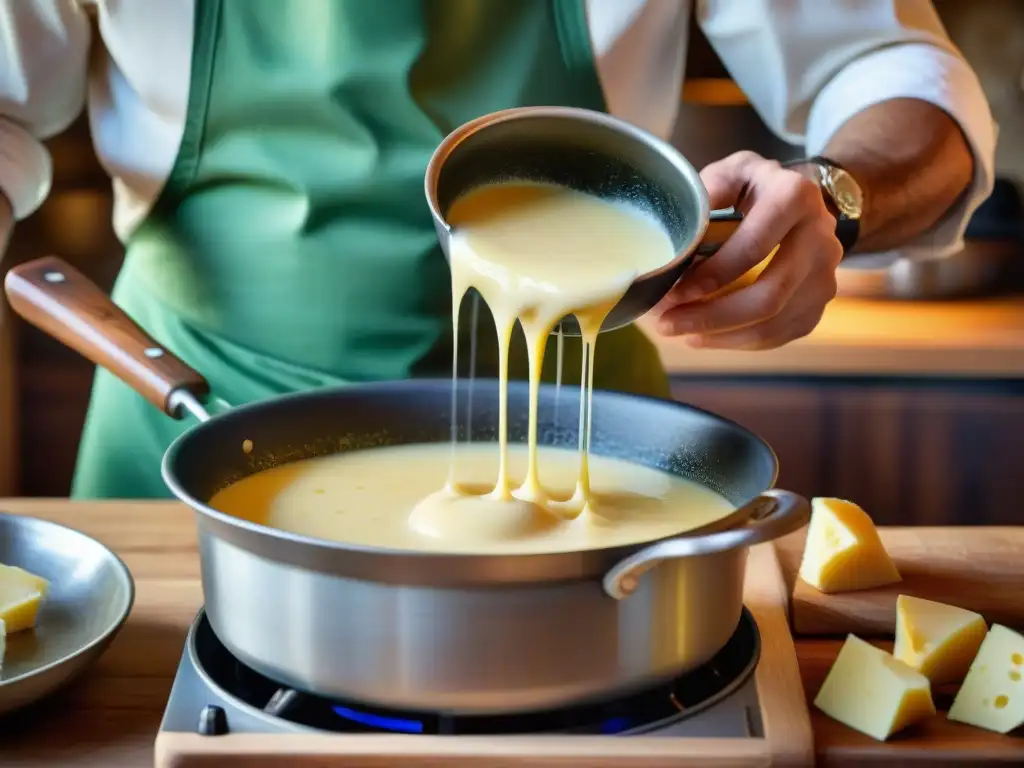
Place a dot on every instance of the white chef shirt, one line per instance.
(806, 66)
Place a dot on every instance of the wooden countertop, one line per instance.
(110, 717)
(860, 337)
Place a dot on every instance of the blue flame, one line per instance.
(615, 725)
(395, 724)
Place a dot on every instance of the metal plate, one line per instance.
(91, 593)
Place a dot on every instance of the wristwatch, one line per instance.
(843, 195)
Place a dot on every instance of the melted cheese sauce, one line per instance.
(373, 498)
(535, 254)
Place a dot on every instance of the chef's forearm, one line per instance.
(912, 162)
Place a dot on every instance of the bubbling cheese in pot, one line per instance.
(374, 498)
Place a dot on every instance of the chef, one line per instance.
(267, 159)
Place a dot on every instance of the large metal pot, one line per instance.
(429, 631)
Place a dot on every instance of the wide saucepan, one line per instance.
(428, 631)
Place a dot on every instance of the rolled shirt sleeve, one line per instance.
(808, 67)
(44, 51)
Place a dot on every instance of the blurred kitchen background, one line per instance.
(909, 399)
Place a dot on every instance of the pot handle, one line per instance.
(59, 300)
(773, 514)
(721, 225)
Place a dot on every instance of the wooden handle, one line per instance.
(978, 568)
(62, 302)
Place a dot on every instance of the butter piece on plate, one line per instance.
(20, 595)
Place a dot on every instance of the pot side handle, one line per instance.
(59, 300)
(773, 514)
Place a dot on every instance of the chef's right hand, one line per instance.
(780, 206)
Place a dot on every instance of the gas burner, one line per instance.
(219, 693)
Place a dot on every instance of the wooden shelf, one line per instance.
(861, 337)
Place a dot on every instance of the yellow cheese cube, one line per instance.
(939, 641)
(992, 695)
(870, 691)
(20, 595)
(844, 551)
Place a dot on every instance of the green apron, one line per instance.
(292, 246)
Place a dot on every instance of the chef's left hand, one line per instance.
(780, 207)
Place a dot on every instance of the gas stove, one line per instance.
(744, 707)
(215, 694)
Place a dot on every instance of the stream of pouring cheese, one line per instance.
(537, 253)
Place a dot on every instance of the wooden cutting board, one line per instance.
(981, 569)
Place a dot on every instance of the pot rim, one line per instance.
(405, 565)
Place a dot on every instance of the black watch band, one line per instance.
(847, 229)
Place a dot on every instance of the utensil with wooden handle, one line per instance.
(61, 301)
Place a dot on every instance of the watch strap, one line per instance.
(847, 232)
(847, 229)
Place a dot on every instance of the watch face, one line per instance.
(846, 193)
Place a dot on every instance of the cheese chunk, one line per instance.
(870, 691)
(939, 641)
(844, 551)
(992, 696)
(3, 643)
(20, 595)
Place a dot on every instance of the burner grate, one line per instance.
(641, 712)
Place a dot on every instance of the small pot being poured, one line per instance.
(589, 152)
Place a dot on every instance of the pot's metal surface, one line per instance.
(591, 152)
(466, 633)
(473, 649)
